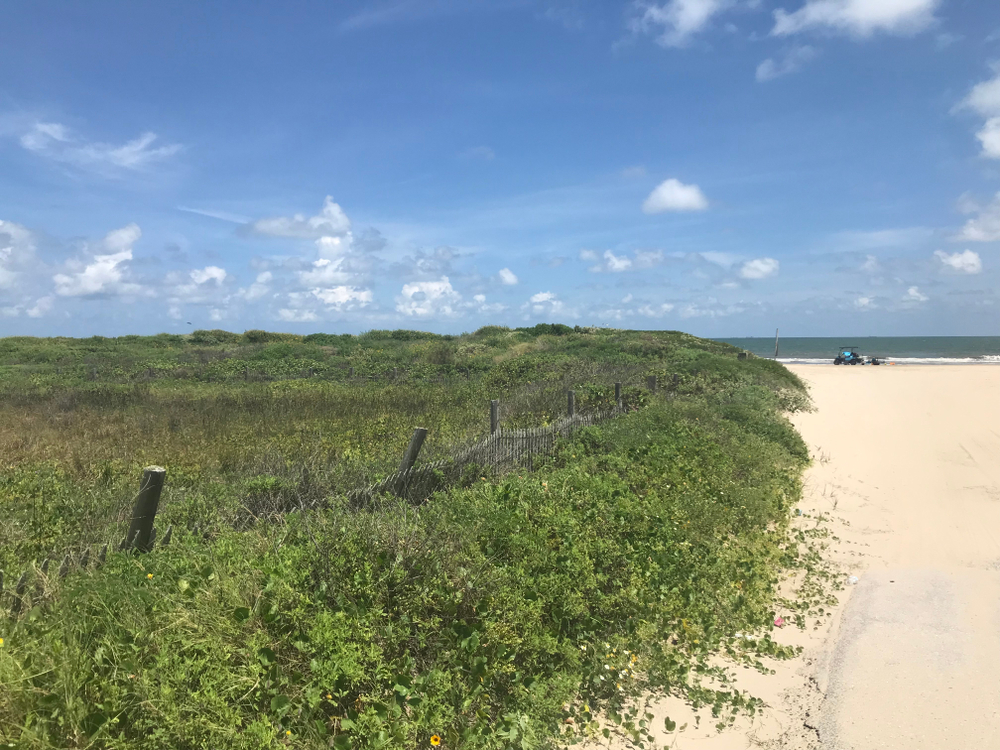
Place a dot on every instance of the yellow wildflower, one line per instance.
(149, 575)
(435, 740)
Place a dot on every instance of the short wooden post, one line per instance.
(677, 379)
(22, 584)
(494, 415)
(651, 383)
(246, 373)
(166, 537)
(350, 372)
(102, 555)
(571, 404)
(64, 568)
(618, 394)
(410, 457)
(85, 560)
(140, 531)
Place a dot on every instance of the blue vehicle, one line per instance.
(848, 355)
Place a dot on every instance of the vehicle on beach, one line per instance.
(848, 355)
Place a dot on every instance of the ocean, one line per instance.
(903, 350)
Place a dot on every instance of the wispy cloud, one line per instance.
(408, 11)
(859, 18)
(790, 62)
(675, 22)
(55, 141)
(221, 215)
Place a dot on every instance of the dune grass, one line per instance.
(501, 614)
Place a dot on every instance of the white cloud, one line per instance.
(792, 61)
(860, 18)
(724, 260)
(259, 288)
(964, 262)
(55, 141)
(759, 268)
(673, 195)
(331, 221)
(865, 303)
(656, 311)
(913, 294)
(615, 263)
(209, 273)
(508, 277)
(341, 298)
(42, 306)
(984, 100)
(17, 248)
(989, 136)
(325, 272)
(633, 173)
(105, 274)
(676, 21)
(297, 316)
(543, 303)
(588, 255)
(870, 265)
(426, 298)
(986, 226)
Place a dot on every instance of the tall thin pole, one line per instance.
(775, 343)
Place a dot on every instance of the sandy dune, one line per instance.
(907, 470)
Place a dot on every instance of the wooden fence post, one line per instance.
(677, 379)
(651, 383)
(22, 584)
(140, 530)
(350, 372)
(618, 394)
(410, 457)
(571, 404)
(494, 415)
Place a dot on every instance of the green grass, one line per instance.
(488, 615)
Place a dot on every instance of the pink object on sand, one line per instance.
(779, 622)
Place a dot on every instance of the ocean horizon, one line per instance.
(916, 350)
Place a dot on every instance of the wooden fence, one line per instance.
(502, 451)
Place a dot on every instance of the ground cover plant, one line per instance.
(501, 613)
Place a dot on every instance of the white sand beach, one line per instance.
(907, 469)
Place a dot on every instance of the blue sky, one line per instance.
(724, 167)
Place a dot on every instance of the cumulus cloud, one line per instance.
(325, 272)
(865, 303)
(104, 274)
(289, 315)
(870, 265)
(674, 195)
(57, 142)
(790, 62)
(641, 259)
(860, 18)
(759, 268)
(422, 299)
(199, 286)
(331, 222)
(259, 288)
(341, 298)
(208, 273)
(543, 303)
(966, 261)
(676, 21)
(985, 225)
(984, 100)
(17, 249)
(656, 311)
(913, 294)
(507, 277)
(588, 255)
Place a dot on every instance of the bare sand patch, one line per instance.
(906, 469)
